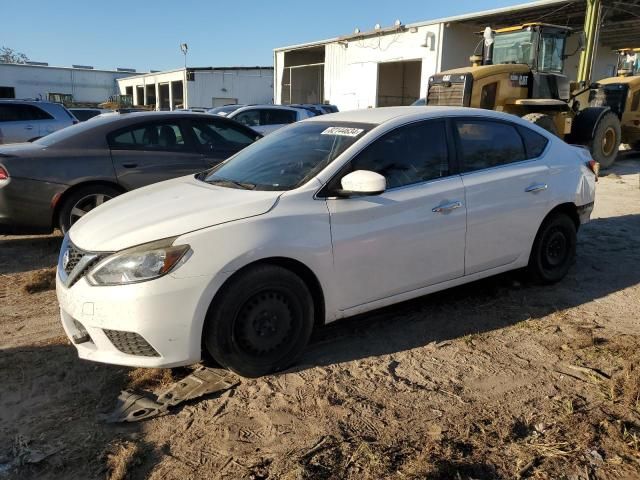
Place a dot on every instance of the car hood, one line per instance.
(165, 209)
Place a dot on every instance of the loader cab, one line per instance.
(541, 47)
(628, 62)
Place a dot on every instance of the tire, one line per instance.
(553, 249)
(83, 200)
(542, 120)
(260, 322)
(606, 140)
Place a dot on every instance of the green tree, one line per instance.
(9, 55)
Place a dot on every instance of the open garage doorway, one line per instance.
(398, 83)
(303, 76)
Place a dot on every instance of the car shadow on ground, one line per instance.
(26, 253)
(607, 261)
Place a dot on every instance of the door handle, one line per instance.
(536, 188)
(129, 165)
(29, 127)
(446, 207)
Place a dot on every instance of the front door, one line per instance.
(410, 236)
(505, 188)
(151, 152)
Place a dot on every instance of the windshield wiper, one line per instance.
(227, 181)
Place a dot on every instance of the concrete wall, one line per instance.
(247, 86)
(85, 85)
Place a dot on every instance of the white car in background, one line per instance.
(266, 119)
(326, 218)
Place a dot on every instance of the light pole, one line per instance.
(184, 48)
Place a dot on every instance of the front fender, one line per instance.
(585, 124)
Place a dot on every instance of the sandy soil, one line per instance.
(494, 380)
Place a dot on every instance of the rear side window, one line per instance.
(274, 116)
(250, 118)
(486, 144)
(22, 113)
(157, 136)
(534, 143)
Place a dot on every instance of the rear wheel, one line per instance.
(81, 202)
(553, 249)
(542, 120)
(606, 140)
(260, 322)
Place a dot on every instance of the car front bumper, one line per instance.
(150, 324)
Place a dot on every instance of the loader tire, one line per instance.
(606, 140)
(543, 121)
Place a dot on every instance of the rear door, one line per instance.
(218, 139)
(505, 180)
(20, 122)
(150, 152)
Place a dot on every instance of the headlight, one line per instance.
(139, 264)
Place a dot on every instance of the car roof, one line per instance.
(26, 100)
(277, 107)
(382, 115)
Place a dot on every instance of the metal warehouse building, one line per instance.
(392, 66)
(84, 83)
(200, 87)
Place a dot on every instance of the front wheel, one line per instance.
(606, 140)
(260, 322)
(553, 249)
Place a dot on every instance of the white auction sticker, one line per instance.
(344, 131)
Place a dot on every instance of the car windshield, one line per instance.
(515, 47)
(287, 158)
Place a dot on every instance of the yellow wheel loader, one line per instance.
(520, 72)
(622, 95)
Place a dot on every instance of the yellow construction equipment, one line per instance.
(520, 72)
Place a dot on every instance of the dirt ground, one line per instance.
(494, 380)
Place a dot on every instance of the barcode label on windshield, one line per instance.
(344, 131)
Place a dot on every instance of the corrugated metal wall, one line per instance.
(37, 82)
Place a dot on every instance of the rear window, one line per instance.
(534, 143)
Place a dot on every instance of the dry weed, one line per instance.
(149, 378)
(120, 459)
(41, 280)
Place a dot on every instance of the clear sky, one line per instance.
(146, 34)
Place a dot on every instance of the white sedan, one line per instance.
(330, 217)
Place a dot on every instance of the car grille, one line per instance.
(131, 343)
(452, 95)
(75, 257)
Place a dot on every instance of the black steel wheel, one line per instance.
(553, 250)
(259, 322)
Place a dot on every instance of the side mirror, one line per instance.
(362, 182)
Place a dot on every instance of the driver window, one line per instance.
(411, 154)
(220, 135)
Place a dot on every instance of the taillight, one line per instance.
(594, 167)
(4, 175)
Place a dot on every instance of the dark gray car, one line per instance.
(55, 180)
